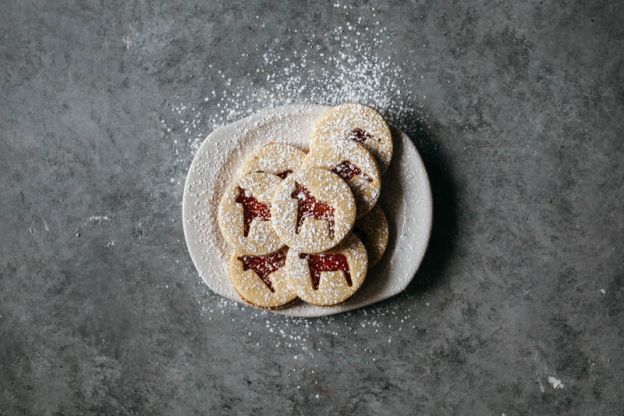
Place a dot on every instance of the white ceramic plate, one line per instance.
(405, 198)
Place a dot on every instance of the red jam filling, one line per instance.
(308, 206)
(252, 209)
(347, 170)
(263, 266)
(284, 174)
(329, 262)
(359, 135)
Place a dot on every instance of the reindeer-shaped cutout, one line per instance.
(252, 209)
(309, 206)
(327, 262)
(284, 174)
(347, 170)
(359, 135)
(263, 266)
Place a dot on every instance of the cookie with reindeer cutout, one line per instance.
(262, 280)
(312, 210)
(372, 230)
(245, 214)
(353, 163)
(280, 159)
(357, 123)
(330, 277)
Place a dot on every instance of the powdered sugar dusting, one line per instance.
(555, 383)
(352, 68)
(217, 161)
(355, 123)
(365, 185)
(259, 237)
(305, 339)
(313, 234)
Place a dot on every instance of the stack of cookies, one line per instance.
(307, 225)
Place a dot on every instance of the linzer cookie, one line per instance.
(358, 123)
(373, 232)
(330, 277)
(245, 214)
(277, 158)
(262, 280)
(312, 210)
(353, 163)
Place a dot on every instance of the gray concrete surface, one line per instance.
(516, 107)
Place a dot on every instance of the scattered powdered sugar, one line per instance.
(353, 67)
(304, 339)
(98, 218)
(555, 383)
(91, 221)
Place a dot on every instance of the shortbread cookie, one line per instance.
(280, 159)
(353, 163)
(358, 123)
(262, 280)
(313, 210)
(245, 214)
(373, 232)
(330, 277)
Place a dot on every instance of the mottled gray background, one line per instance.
(517, 109)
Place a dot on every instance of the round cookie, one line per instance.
(372, 230)
(245, 214)
(312, 210)
(280, 159)
(353, 163)
(331, 277)
(358, 123)
(262, 280)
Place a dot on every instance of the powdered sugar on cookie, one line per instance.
(280, 159)
(355, 165)
(261, 280)
(314, 210)
(331, 277)
(358, 124)
(245, 214)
